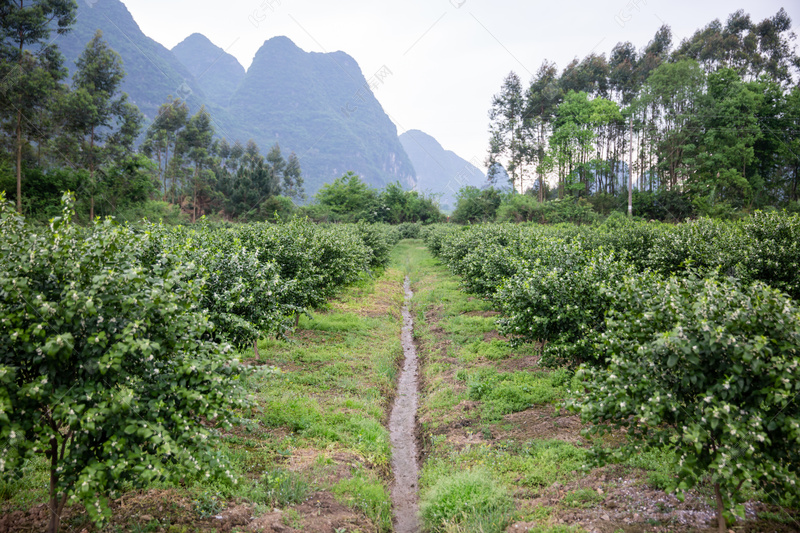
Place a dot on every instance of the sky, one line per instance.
(447, 58)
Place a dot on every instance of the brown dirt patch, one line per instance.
(484, 314)
(161, 507)
(541, 422)
(625, 502)
(526, 363)
(321, 513)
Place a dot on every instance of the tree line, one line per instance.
(83, 134)
(709, 125)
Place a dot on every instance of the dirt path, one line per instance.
(402, 424)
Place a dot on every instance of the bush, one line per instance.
(560, 300)
(105, 363)
(709, 369)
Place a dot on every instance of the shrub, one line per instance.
(105, 366)
(710, 369)
(560, 300)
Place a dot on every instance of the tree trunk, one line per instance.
(56, 506)
(722, 526)
(19, 162)
(166, 167)
(91, 174)
(255, 349)
(194, 197)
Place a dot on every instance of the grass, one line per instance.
(511, 392)
(470, 500)
(368, 495)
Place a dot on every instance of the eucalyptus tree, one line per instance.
(507, 130)
(162, 135)
(541, 101)
(30, 65)
(194, 144)
(103, 124)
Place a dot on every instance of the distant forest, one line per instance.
(708, 127)
(83, 134)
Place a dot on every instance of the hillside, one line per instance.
(439, 171)
(152, 71)
(215, 71)
(319, 106)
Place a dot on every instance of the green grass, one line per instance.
(510, 392)
(470, 500)
(581, 498)
(368, 495)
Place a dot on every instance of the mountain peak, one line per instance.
(217, 72)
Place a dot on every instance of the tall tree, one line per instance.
(104, 123)
(726, 149)
(195, 144)
(30, 64)
(163, 134)
(542, 99)
(293, 179)
(507, 129)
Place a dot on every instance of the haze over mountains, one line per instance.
(440, 171)
(318, 105)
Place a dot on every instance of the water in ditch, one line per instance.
(402, 431)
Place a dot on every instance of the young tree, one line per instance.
(104, 123)
(709, 369)
(30, 64)
(105, 364)
(349, 198)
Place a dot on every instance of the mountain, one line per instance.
(320, 106)
(216, 72)
(152, 71)
(440, 171)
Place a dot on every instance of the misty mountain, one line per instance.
(440, 171)
(152, 71)
(215, 71)
(320, 106)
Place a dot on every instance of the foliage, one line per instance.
(349, 199)
(475, 205)
(708, 368)
(105, 362)
(558, 299)
(712, 124)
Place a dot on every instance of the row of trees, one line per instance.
(193, 168)
(81, 134)
(714, 119)
(686, 336)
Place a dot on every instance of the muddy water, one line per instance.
(402, 426)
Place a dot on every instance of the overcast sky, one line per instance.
(447, 57)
